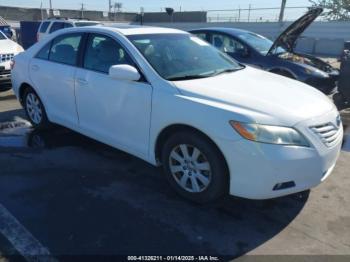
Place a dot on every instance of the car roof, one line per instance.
(69, 20)
(231, 31)
(136, 30)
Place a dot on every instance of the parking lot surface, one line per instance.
(64, 194)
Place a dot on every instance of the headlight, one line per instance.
(315, 72)
(19, 49)
(270, 134)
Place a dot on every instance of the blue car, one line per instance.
(278, 57)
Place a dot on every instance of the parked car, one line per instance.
(53, 24)
(171, 98)
(277, 57)
(8, 49)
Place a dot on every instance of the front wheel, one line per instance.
(195, 167)
(35, 110)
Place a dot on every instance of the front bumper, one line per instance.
(256, 169)
(5, 76)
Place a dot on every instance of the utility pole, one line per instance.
(82, 11)
(51, 10)
(239, 14)
(250, 8)
(109, 6)
(41, 10)
(283, 7)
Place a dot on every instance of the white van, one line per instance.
(53, 24)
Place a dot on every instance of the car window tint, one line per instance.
(44, 27)
(56, 26)
(102, 52)
(226, 44)
(65, 49)
(44, 52)
(203, 36)
(68, 25)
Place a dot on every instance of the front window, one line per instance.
(226, 44)
(183, 56)
(259, 43)
(102, 52)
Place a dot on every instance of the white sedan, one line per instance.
(171, 99)
(8, 49)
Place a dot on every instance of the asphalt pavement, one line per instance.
(65, 195)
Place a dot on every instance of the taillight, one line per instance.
(12, 64)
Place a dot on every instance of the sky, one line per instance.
(154, 5)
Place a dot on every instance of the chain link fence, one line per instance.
(250, 14)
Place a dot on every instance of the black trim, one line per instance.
(81, 50)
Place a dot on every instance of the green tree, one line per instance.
(334, 9)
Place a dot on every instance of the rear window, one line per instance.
(56, 26)
(44, 27)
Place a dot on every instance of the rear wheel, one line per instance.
(35, 109)
(194, 167)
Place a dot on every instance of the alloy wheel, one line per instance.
(34, 109)
(190, 168)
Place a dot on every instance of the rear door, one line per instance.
(52, 72)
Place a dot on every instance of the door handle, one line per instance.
(35, 67)
(82, 81)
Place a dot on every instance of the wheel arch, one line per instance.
(277, 70)
(168, 131)
(21, 90)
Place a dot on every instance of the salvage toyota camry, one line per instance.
(172, 99)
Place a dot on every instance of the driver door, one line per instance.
(116, 112)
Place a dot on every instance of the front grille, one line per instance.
(6, 57)
(5, 72)
(328, 133)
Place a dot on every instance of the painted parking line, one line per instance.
(21, 239)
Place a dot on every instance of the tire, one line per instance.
(35, 109)
(202, 176)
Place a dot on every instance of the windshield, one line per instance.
(81, 24)
(2, 36)
(182, 56)
(260, 43)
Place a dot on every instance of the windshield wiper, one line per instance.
(186, 77)
(219, 72)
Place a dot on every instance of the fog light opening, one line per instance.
(284, 185)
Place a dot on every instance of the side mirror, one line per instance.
(124, 72)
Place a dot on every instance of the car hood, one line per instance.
(8, 46)
(260, 96)
(289, 36)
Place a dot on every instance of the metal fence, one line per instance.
(250, 14)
